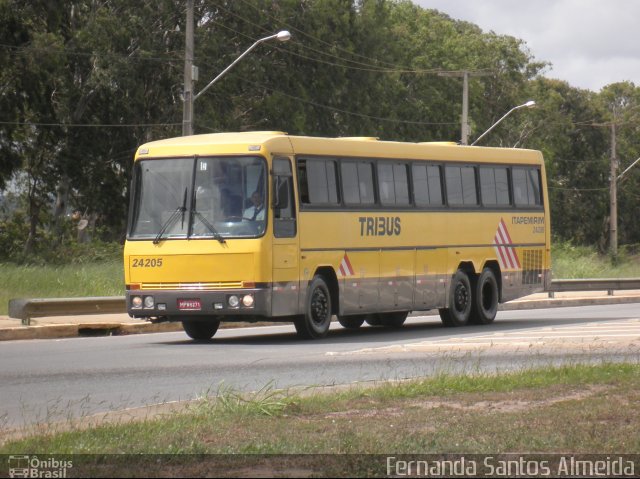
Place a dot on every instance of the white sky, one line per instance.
(589, 43)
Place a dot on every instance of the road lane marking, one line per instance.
(592, 336)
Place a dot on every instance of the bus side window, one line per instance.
(284, 213)
(535, 196)
(318, 182)
(427, 185)
(520, 187)
(494, 186)
(357, 182)
(303, 182)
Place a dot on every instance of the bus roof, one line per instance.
(278, 142)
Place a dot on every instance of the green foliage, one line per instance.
(267, 401)
(58, 247)
(83, 83)
(571, 260)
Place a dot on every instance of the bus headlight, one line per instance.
(234, 301)
(136, 302)
(247, 301)
(149, 303)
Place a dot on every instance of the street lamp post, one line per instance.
(529, 104)
(189, 97)
(613, 199)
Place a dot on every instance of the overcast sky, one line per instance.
(590, 43)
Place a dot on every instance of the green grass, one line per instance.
(575, 408)
(570, 261)
(72, 280)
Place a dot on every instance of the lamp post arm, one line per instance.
(494, 125)
(223, 72)
(625, 171)
(529, 104)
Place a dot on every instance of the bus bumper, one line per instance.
(179, 304)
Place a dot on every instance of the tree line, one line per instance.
(84, 82)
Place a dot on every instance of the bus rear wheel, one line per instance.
(200, 330)
(393, 320)
(352, 322)
(460, 301)
(315, 322)
(485, 300)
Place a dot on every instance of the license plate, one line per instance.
(189, 305)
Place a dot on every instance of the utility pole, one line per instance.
(465, 74)
(613, 193)
(191, 72)
(187, 112)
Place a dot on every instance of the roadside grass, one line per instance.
(575, 408)
(60, 281)
(569, 261)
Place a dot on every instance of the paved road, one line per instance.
(46, 381)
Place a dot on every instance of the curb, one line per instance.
(566, 302)
(70, 330)
(58, 331)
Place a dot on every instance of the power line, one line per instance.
(577, 190)
(87, 125)
(346, 112)
(361, 66)
(291, 27)
(25, 49)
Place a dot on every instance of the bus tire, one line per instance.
(372, 319)
(351, 322)
(460, 301)
(393, 320)
(485, 300)
(315, 322)
(200, 330)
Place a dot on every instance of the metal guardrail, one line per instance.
(25, 309)
(606, 284)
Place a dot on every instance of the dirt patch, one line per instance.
(471, 404)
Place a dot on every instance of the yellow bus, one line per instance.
(269, 226)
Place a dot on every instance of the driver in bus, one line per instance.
(256, 211)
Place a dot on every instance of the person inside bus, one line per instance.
(256, 211)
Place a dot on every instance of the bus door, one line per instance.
(286, 281)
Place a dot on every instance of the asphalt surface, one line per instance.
(50, 381)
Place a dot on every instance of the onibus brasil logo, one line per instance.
(33, 466)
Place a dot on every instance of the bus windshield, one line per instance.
(218, 197)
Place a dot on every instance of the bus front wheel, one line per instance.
(460, 301)
(315, 322)
(201, 330)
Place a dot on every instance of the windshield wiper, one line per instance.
(174, 216)
(209, 226)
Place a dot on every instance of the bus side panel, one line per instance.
(286, 285)
(431, 279)
(360, 289)
(396, 280)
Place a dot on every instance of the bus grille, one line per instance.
(532, 267)
(193, 286)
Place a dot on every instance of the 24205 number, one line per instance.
(146, 262)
